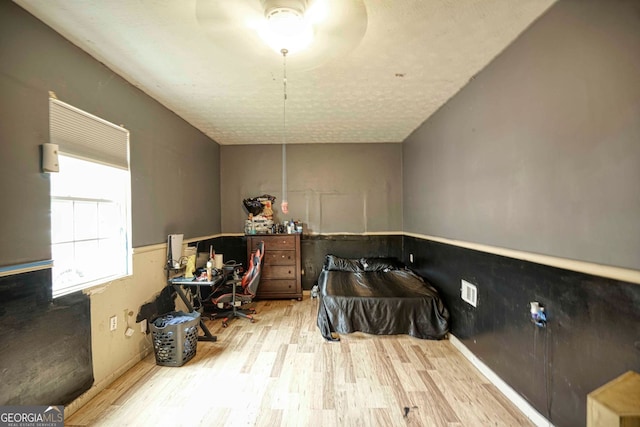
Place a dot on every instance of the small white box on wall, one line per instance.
(50, 158)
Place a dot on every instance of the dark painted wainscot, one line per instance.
(45, 344)
(592, 335)
(314, 248)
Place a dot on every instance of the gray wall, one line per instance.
(541, 151)
(352, 188)
(174, 167)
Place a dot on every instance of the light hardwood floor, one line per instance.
(279, 371)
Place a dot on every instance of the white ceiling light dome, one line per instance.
(251, 30)
(286, 25)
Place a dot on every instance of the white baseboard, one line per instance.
(515, 398)
(85, 397)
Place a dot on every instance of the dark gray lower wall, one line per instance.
(232, 248)
(593, 333)
(45, 356)
(314, 248)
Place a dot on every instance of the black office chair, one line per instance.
(237, 292)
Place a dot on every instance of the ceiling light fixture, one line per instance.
(326, 31)
(285, 26)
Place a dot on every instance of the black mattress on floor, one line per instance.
(378, 296)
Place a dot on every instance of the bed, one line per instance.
(377, 296)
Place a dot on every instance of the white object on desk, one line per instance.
(174, 249)
(209, 271)
(217, 261)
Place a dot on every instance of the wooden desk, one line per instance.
(178, 282)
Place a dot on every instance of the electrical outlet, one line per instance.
(469, 293)
(113, 323)
(538, 314)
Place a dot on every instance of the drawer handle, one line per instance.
(282, 256)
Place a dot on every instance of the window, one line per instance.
(90, 201)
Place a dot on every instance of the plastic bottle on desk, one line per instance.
(209, 270)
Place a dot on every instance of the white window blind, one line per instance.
(90, 200)
(83, 135)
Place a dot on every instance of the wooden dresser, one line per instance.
(281, 271)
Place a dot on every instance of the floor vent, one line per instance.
(469, 293)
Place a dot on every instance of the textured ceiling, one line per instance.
(413, 57)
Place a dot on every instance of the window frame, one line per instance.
(85, 137)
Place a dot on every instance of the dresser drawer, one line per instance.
(274, 243)
(280, 257)
(271, 286)
(278, 271)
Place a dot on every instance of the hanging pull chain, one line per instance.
(284, 103)
(285, 204)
